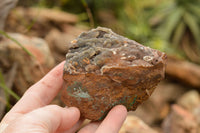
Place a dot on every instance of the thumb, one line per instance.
(50, 119)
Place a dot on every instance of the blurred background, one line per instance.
(35, 36)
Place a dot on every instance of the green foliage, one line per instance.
(177, 21)
(180, 15)
(146, 21)
(134, 18)
(168, 21)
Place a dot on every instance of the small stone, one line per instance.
(133, 124)
(180, 121)
(107, 78)
(189, 100)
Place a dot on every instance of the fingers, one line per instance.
(51, 118)
(113, 121)
(111, 124)
(75, 127)
(41, 93)
(90, 128)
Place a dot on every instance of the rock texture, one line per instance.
(104, 69)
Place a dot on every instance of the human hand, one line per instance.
(32, 113)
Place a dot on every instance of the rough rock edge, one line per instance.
(81, 46)
(113, 79)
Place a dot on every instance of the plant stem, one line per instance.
(9, 91)
(89, 13)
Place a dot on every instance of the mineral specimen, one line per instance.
(104, 69)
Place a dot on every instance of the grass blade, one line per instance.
(1, 78)
(194, 9)
(6, 89)
(193, 26)
(89, 13)
(172, 22)
(15, 41)
(9, 91)
(179, 33)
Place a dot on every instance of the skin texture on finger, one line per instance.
(49, 119)
(113, 121)
(41, 93)
(90, 128)
(74, 128)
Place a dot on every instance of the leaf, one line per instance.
(161, 12)
(192, 23)
(172, 21)
(178, 34)
(195, 9)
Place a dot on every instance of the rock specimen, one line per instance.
(104, 69)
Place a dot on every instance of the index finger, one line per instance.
(41, 93)
(113, 121)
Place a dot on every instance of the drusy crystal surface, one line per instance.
(104, 69)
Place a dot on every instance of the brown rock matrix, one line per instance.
(104, 69)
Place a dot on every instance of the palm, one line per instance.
(33, 114)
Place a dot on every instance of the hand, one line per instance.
(32, 113)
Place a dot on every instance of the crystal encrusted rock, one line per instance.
(104, 69)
